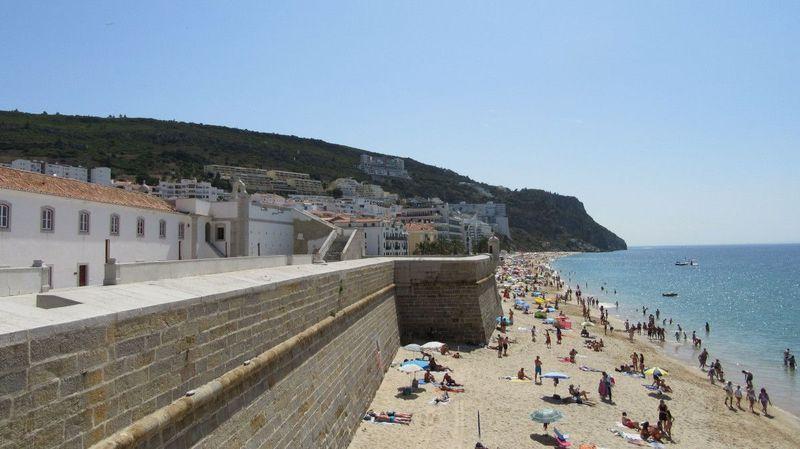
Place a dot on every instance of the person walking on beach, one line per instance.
(533, 334)
(729, 394)
(748, 378)
(763, 398)
(738, 394)
(712, 374)
(547, 341)
(641, 362)
(703, 357)
(558, 335)
(537, 370)
(751, 398)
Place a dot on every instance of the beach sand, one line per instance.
(701, 418)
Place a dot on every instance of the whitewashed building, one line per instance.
(75, 227)
(188, 188)
(382, 237)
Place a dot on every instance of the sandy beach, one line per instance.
(701, 418)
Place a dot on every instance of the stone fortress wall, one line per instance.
(280, 357)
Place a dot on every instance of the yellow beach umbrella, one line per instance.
(656, 371)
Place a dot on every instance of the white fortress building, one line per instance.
(75, 229)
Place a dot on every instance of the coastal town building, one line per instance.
(383, 237)
(100, 175)
(383, 166)
(419, 233)
(268, 181)
(188, 188)
(76, 228)
(495, 214)
(350, 188)
(449, 225)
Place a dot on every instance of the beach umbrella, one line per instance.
(413, 347)
(656, 371)
(546, 416)
(556, 376)
(549, 320)
(587, 323)
(433, 345)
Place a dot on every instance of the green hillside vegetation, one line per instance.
(146, 149)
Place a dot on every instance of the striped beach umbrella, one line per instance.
(656, 371)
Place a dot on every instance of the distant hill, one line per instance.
(147, 149)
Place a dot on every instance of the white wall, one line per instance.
(272, 228)
(65, 248)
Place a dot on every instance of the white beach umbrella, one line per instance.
(433, 345)
(413, 347)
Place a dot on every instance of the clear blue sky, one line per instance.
(674, 122)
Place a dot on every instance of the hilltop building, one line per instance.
(268, 181)
(351, 188)
(493, 213)
(99, 175)
(188, 188)
(383, 166)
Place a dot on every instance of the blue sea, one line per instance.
(750, 295)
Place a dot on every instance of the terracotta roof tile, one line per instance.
(70, 188)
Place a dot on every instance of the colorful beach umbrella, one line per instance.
(656, 371)
(546, 416)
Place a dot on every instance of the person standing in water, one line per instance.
(708, 328)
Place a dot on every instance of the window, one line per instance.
(140, 227)
(181, 230)
(48, 219)
(162, 229)
(220, 232)
(83, 222)
(5, 216)
(114, 227)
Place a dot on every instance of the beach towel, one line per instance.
(566, 360)
(514, 379)
(586, 368)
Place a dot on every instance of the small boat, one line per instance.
(682, 263)
(669, 294)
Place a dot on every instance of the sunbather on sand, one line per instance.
(451, 389)
(647, 431)
(390, 417)
(429, 379)
(449, 381)
(433, 366)
(443, 398)
(522, 376)
(629, 423)
(576, 392)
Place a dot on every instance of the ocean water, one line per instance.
(749, 294)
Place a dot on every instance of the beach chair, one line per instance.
(563, 440)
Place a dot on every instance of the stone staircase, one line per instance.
(334, 253)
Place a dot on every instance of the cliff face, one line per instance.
(146, 148)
